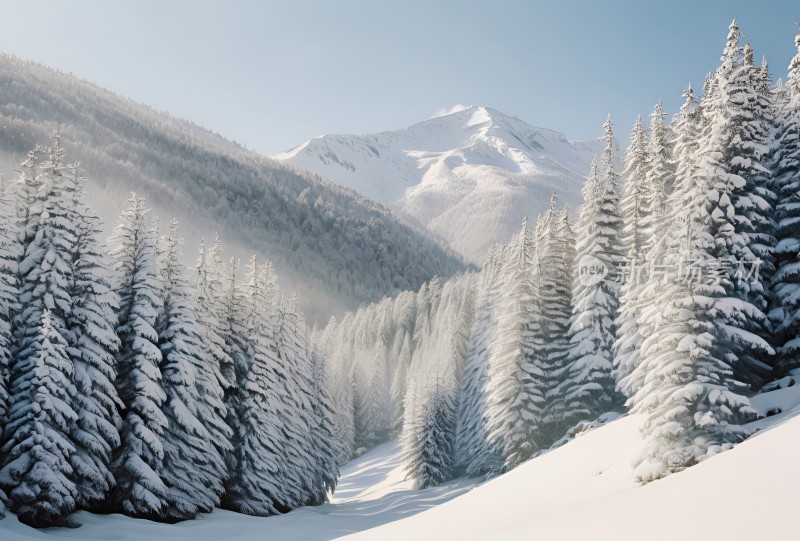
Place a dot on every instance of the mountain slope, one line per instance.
(334, 245)
(469, 176)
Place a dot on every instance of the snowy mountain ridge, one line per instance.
(336, 246)
(469, 176)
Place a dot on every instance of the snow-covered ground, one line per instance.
(583, 490)
(371, 492)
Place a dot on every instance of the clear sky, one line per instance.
(271, 74)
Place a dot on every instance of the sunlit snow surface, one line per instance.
(371, 492)
(582, 491)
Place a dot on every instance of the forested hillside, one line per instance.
(341, 248)
(130, 385)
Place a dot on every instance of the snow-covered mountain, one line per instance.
(469, 177)
(333, 245)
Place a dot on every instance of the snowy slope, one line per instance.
(582, 490)
(371, 492)
(469, 176)
(585, 490)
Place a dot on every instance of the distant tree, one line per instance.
(429, 432)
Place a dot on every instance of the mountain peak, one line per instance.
(468, 176)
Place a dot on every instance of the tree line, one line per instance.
(130, 385)
(674, 295)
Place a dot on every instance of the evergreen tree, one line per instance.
(9, 255)
(36, 455)
(588, 389)
(139, 460)
(342, 389)
(323, 440)
(514, 401)
(372, 380)
(257, 481)
(234, 332)
(702, 324)
(296, 420)
(405, 317)
(785, 308)
(93, 344)
(555, 257)
(196, 437)
(210, 310)
(45, 270)
(659, 175)
(473, 455)
(636, 193)
(732, 147)
(644, 281)
(429, 432)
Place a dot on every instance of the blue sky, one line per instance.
(271, 74)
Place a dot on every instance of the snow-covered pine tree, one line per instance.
(632, 206)
(342, 388)
(37, 451)
(45, 270)
(647, 224)
(9, 298)
(138, 462)
(196, 437)
(429, 431)
(435, 376)
(632, 326)
(208, 303)
(555, 257)
(785, 308)
(24, 201)
(372, 379)
(405, 316)
(93, 344)
(459, 321)
(235, 334)
(323, 441)
(659, 174)
(257, 481)
(53, 273)
(473, 455)
(296, 417)
(513, 400)
(703, 330)
(588, 389)
(735, 141)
